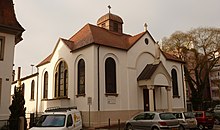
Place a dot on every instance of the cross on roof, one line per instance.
(109, 8)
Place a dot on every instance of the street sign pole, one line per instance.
(89, 103)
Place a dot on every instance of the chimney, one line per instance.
(19, 76)
(19, 73)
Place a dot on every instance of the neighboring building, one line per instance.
(215, 83)
(10, 34)
(114, 74)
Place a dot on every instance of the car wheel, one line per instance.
(211, 127)
(217, 121)
(201, 127)
(181, 127)
(155, 128)
(129, 127)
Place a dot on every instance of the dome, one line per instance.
(109, 16)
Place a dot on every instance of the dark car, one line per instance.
(204, 119)
(153, 121)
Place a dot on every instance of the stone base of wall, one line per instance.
(103, 118)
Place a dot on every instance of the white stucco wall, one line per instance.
(6, 67)
(129, 64)
(30, 104)
(181, 101)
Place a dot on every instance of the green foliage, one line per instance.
(17, 110)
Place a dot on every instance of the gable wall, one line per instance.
(6, 67)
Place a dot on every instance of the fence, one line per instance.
(4, 125)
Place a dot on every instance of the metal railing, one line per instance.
(4, 125)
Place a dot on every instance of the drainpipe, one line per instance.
(184, 94)
(37, 92)
(98, 78)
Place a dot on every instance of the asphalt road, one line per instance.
(216, 127)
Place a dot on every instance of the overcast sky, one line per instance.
(45, 21)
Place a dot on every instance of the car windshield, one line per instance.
(51, 121)
(217, 108)
(167, 116)
(208, 114)
(189, 115)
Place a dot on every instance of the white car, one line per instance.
(187, 120)
(217, 108)
(59, 119)
(153, 121)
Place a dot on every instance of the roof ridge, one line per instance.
(90, 29)
(79, 31)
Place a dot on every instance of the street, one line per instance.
(216, 127)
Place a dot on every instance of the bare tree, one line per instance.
(198, 48)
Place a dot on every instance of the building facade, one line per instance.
(108, 75)
(215, 83)
(10, 34)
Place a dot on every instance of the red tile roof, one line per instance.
(8, 21)
(46, 60)
(172, 57)
(91, 34)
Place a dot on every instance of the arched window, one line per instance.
(32, 89)
(61, 80)
(65, 82)
(81, 77)
(45, 93)
(110, 75)
(174, 83)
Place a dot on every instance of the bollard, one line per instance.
(21, 123)
(31, 124)
(119, 124)
(109, 123)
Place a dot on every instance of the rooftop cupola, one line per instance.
(111, 22)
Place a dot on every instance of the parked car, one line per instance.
(153, 121)
(59, 119)
(187, 120)
(204, 119)
(217, 108)
(217, 117)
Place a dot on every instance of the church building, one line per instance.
(107, 74)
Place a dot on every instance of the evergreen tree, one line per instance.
(17, 110)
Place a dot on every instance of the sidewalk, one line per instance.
(113, 127)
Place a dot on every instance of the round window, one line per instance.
(146, 40)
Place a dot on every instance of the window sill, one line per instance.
(56, 98)
(176, 96)
(44, 99)
(81, 95)
(111, 94)
(31, 99)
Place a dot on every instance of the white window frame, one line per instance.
(0, 90)
(2, 47)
